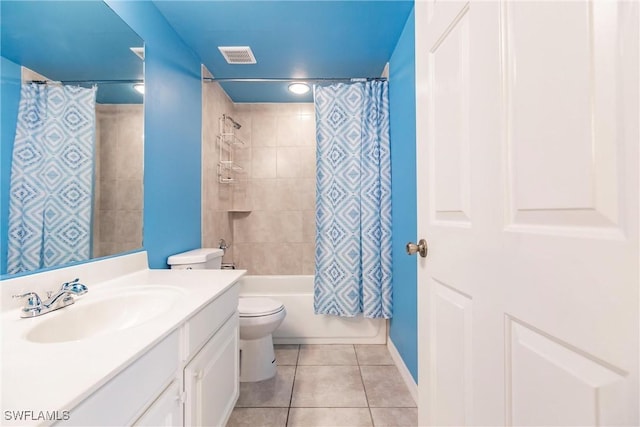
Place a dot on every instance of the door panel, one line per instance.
(452, 350)
(527, 122)
(450, 128)
(552, 383)
(560, 94)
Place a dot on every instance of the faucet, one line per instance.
(62, 298)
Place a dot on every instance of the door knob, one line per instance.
(420, 248)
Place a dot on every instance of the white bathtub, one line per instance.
(302, 326)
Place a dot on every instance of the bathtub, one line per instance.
(301, 325)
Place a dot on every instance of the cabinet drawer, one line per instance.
(208, 320)
(120, 401)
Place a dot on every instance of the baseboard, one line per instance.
(404, 371)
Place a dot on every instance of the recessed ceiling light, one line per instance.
(139, 87)
(299, 88)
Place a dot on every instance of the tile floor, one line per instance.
(329, 386)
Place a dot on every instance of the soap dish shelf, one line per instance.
(226, 171)
(227, 142)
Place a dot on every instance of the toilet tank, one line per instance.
(197, 259)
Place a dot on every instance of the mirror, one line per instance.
(87, 44)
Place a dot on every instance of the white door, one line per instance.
(527, 118)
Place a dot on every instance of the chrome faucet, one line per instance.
(61, 298)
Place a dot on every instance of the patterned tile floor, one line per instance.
(328, 386)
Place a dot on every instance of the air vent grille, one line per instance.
(237, 54)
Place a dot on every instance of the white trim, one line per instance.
(404, 371)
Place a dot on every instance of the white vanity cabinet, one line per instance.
(211, 374)
(123, 398)
(166, 410)
(211, 379)
(191, 377)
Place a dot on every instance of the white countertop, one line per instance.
(58, 376)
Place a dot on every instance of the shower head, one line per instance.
(233, 122)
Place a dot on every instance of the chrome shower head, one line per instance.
(233, 122)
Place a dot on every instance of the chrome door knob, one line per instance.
(420, 248)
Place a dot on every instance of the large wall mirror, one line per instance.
(85, 43)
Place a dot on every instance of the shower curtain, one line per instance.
(51, 177)
(353, 200)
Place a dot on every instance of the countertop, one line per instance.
(58, 376)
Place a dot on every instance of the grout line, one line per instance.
(355, 351)
(364, 388)
(295, 371)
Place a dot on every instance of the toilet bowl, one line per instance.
(259, 317)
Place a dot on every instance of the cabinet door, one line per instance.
(212, 379)
(166, 410)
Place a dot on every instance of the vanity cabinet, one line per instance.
(123, 398)
(211, 379)
(191, 377)
(166, 410)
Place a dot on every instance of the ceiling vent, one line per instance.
(237, 54)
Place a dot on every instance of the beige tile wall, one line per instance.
(217, 199)
(277, 236)
(118, 187)
(268, 214)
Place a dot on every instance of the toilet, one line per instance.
(259, 317)
(197, 259)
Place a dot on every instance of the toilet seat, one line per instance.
(258, 307)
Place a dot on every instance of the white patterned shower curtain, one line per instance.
(51, 177)
(353, 200)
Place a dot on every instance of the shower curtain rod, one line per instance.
(292, 80)
(75, 82)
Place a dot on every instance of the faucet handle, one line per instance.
(33, 301)
(75, 287)
(66, 285)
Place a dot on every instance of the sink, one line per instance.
(109, 311)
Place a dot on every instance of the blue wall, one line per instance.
(172, 137)
(10, 99)
(402, 106)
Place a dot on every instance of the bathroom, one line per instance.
(209, 210)
(226, 211)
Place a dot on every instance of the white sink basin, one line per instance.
(113, 310)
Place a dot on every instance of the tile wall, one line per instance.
(268, 214)
(217, 199)
(118, 187)
(278, 235)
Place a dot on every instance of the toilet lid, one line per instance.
(254, 307)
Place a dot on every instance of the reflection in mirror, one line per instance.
(85, 44)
